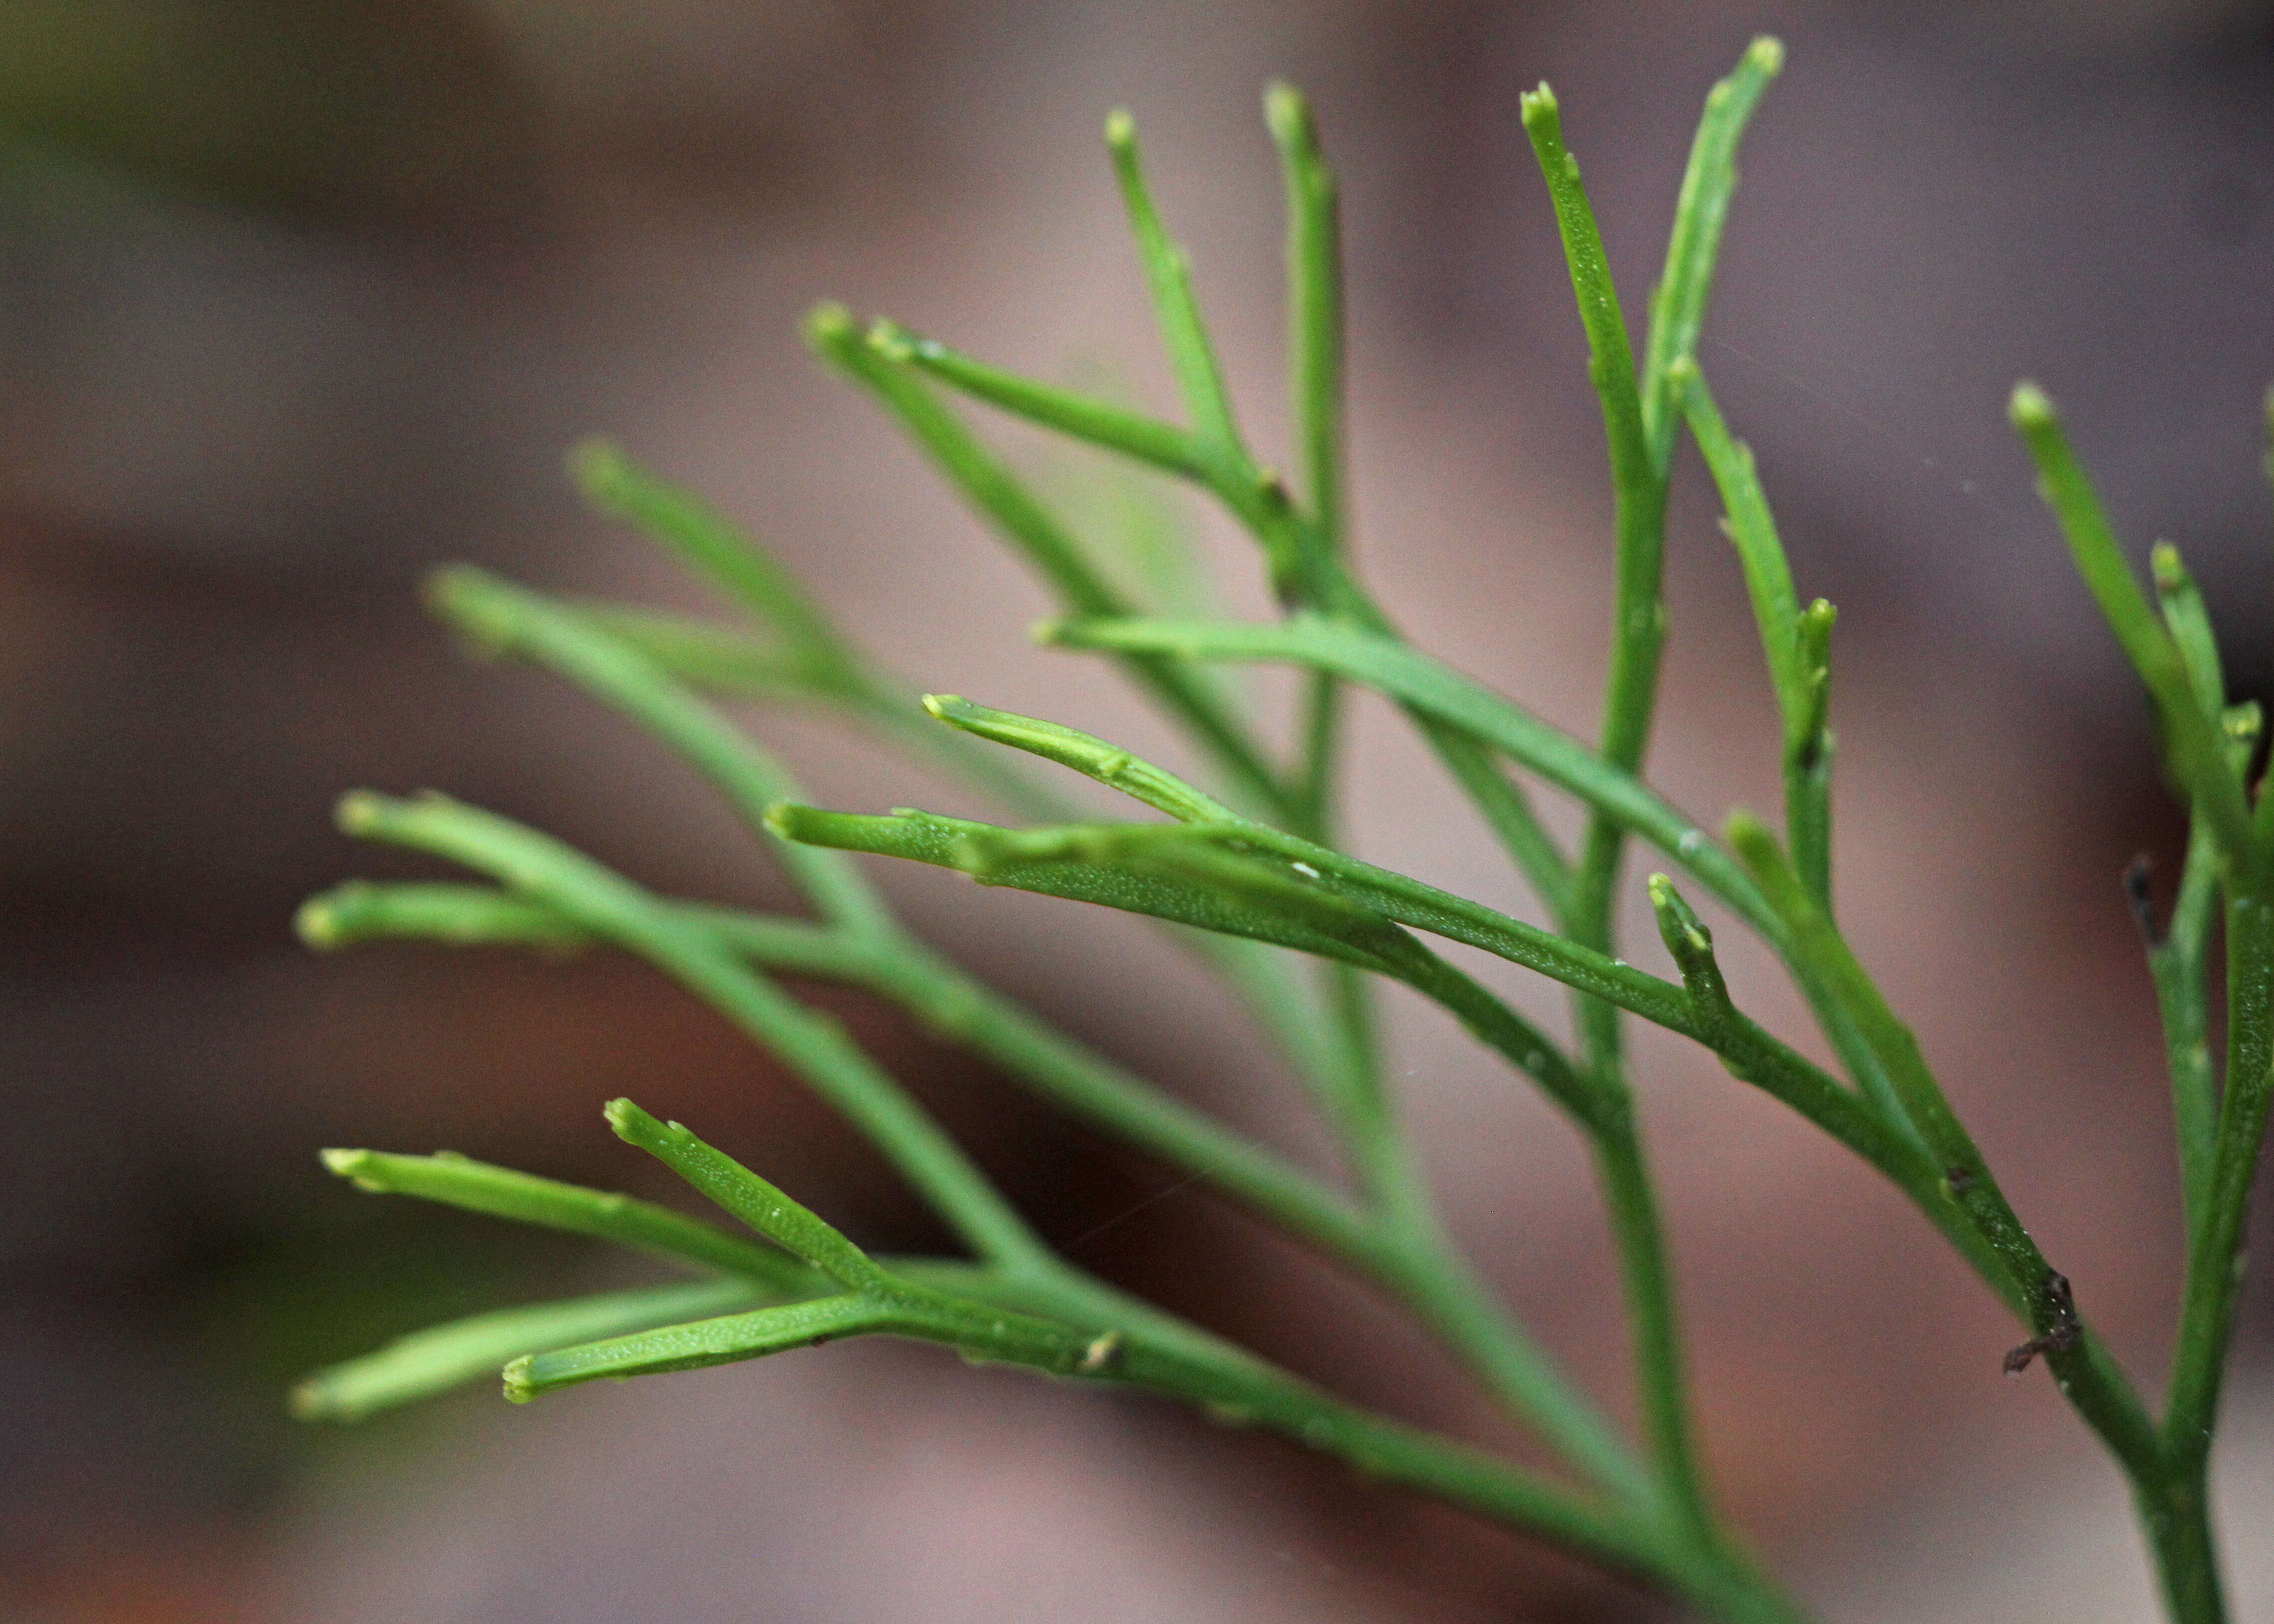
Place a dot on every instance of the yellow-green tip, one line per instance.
(1538, 106)
(627, 1119)
(940, 706)
(597, 465)
(1662, 891)
(781, 818)
(889, 339)
(482, 608)
(830, 327)
(353, 1165)
(1120, 129)
(2031, 408)
(1287, 114)
(519, 1388)
(317, 924)
(1766, 53)
(359, 812)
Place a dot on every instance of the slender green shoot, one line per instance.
(1169, 274)
(1079, 417)
(1426, 685)
(1638, 488)
(2102, 1396)
(2178, 955)
(1315, 388)
(1314, 305)
(1677, 308)
(501, 619)
(2197, 758)
(817, 1048)
(736, 1189)
(1002, 498)
(448, 1357)
(502, 1192)
(1796, 647)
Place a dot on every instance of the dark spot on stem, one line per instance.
(2062, 1331)
(2144, 908)
(1958, 1179)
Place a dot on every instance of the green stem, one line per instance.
(1409, 1257)
(1315, 306)
(1428, 685)
(1314, 390)
(1168, 273)
(1638, 485)
(2215, 1260)
(811, 1044)
(2176, 1515)
(1424, 684)
(2196, 753)
(1228, 894)
(2093, 1384)
(523, 1197)
(2178, 963)
(504, 619)
(1005, 502)
(1656, 1332)
(433, 1361)
(1241, 1388)
(1694, 247)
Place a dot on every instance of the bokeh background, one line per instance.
(299, 301)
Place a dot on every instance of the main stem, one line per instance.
(2177, 1510)
(2175, 1513)
(1715, 1582)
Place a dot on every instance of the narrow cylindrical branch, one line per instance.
(502, 1192)
(444, 1356)
(2216, 1261)
(1809, 749)
(508, 620)
(614, 910)
(2092, 1382)
(1654, 1327)
(1169, 274)
(2197, 757)
(1001, 497)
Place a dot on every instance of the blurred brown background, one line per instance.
(297, 301)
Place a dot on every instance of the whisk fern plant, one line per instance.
(1252, 877)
